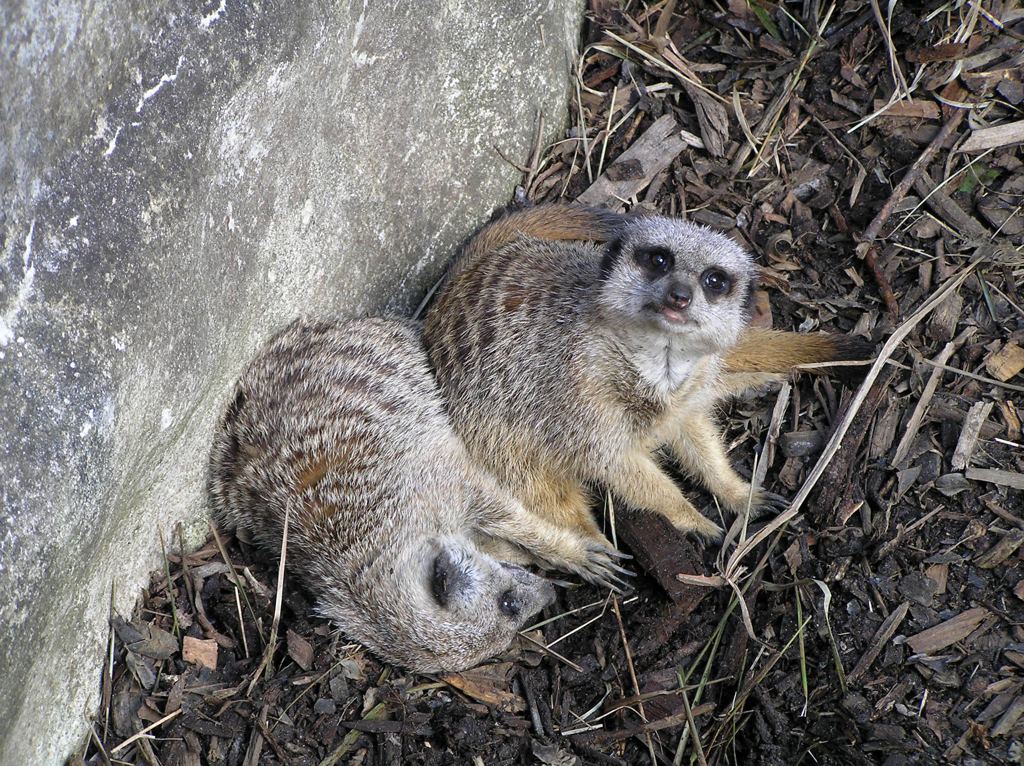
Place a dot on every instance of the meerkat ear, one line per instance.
(449, 575)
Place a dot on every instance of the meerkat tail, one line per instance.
(552, 222)
(777, 351)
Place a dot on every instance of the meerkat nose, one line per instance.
(679, 296)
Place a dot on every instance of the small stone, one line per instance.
(339, 688)
(324, 706)
(918, 587)
(857, 707)
(931, 467)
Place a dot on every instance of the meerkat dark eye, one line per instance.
(657, 259)
(508, 604)
(716, 282)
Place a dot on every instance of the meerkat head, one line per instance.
(678, 278)
(446, 607)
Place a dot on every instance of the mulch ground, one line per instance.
(878, 620)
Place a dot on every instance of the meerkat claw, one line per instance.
(607, 570)
(622, 571)
(606, 564)
(561, 583)
(615, 553)
(774, 502)
(603, 571)
(615, 584)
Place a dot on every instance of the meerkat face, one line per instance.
(480, 604)
(466, 582)
(679, 279)
(463, 606)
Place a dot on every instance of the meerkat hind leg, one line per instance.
(565, 503)
(642, 484)
(700, 450)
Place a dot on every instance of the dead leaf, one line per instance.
(489, 684)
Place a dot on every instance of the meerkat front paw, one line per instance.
(589, 555)
(735, 495)
(703, 527)
(595, 560)
(756, 502)
(688, 519)
(601, 567)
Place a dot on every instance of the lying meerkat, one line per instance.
(571, 344)
(391, 527)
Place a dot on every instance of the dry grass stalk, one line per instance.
(632, 675)
(145, 732)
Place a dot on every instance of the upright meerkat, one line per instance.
(339, 425)
(572, 344)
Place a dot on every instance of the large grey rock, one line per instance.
(177, 181)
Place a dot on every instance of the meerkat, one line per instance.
(573, 345)
(338, 426)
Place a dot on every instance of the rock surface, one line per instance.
(176, 182)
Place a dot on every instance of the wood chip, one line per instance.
(663, 552)
(199, 651)
(252, 756)
(995, 476)
(884, 433)
(944, 410)
(941, 52)
(903, 449)
(939, 573)
(637, 166)
(1006, 363)
(948, 632)
(175, 695)
(943, 322)
(838, 464)
(878, 642)
(916, 110)
(412, 725)
(990, 138)
(947, 210)
(1002, 550)
(969, 434)
(1018, 590)
(712, 118)
(801, 443)
(300, 650)
(617, 735)
(1004, 514)
(1009, 719)
(794, 557)
(1008, 412)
